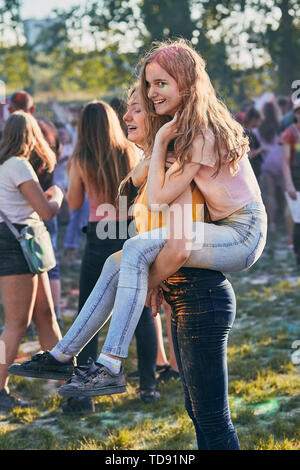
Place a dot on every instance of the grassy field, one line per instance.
(264, 381)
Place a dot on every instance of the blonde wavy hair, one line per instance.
(22, 137)
(134, 88)
(200, 108)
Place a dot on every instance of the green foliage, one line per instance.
(114, 25)
(170, 18)
(25, 415)
(15, 69)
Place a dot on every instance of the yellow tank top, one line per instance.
(146, 220)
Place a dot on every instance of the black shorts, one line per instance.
(12, 260)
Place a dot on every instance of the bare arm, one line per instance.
(140, 172)
(45, 204)
(177, 249)
(164, 188)
(76, 193)
(255, 152)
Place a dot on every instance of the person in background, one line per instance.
(24, 295)
(78, 219)
(284, 104)
(246, 105)
(119, 106)
(166, 369)
(50, 134)
(287, 114)
(268, 134)
(23, 101)
(252, 121)
(290, 140)
(240, 117)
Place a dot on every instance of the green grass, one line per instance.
(264, 384)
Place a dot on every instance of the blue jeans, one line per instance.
(203, 311)
(235, 243)
(78, 220)
(52, 227)
(95, 254)
(231, 244)
(120, 291)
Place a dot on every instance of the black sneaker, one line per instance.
(166, 374)
(97, 380)
(8, 401)
(149, 396)
(162, 368)
(44, 366)
(78, 405)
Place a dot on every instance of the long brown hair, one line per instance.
(22, 137)
(200, 107)
(102, 151)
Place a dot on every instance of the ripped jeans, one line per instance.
(232, 244)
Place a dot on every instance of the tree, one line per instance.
(279, 38)
(170, 18)
(14, 66)
(97, 43)
(283, 45)
(10, 18)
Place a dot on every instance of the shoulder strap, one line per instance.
(13, 229)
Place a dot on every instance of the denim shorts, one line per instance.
(12, 260)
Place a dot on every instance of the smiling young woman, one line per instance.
(162, 90)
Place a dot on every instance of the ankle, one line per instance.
(112, 363)
(59, 356)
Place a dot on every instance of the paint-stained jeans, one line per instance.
(203, 305)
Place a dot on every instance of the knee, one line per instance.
(113, 262)
(45, 313)
(18, 328)
(133, 253)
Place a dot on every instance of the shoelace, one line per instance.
(94, 371)
(37, 357)
(87, 371)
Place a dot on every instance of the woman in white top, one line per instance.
(24, 296)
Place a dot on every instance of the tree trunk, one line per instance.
(286, 58)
